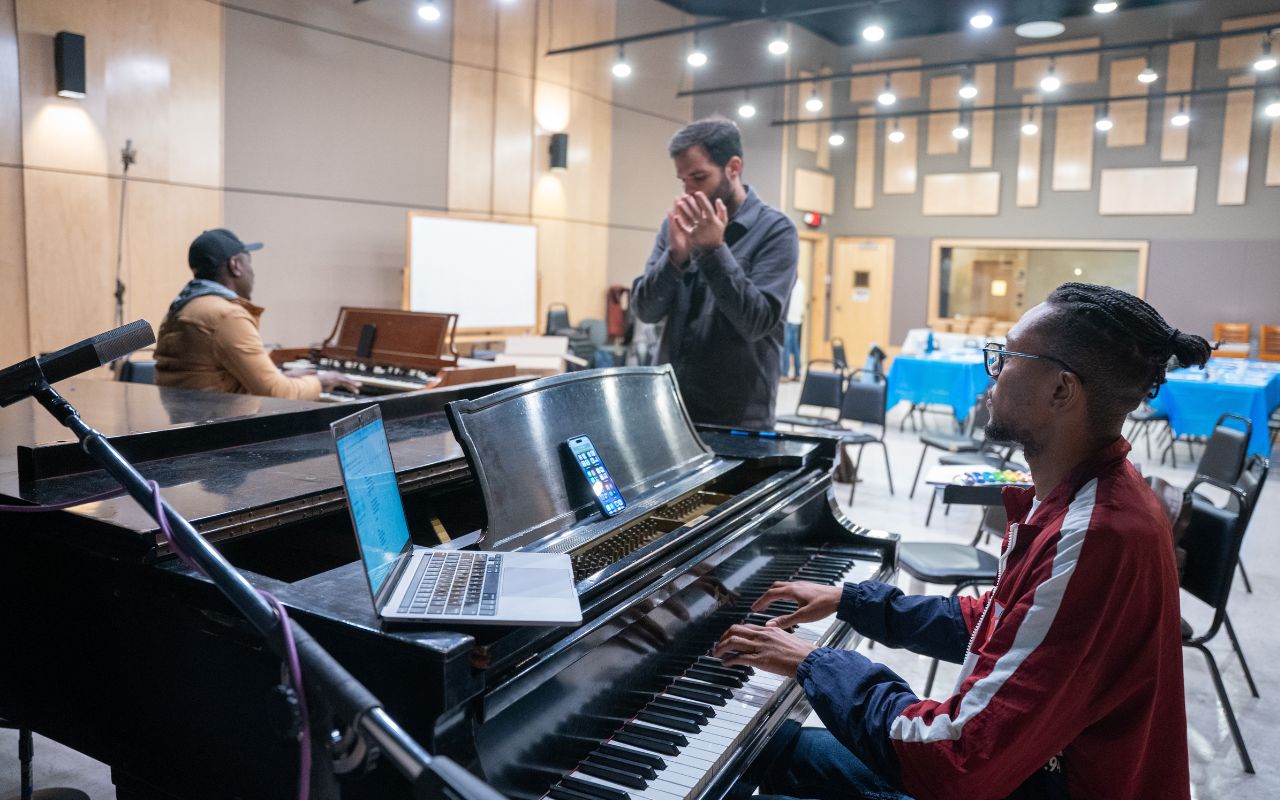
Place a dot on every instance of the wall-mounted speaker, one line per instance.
(68, 64)
(559, 151)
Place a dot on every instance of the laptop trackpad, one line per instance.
(527, 582)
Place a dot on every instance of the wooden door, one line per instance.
(812, 269)
(861, 294)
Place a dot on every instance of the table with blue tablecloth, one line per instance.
(943, 378)
(1195, 398)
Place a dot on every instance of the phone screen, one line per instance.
(602, 486)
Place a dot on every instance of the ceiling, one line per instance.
(902, 18)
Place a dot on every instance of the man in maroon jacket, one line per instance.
(1071, 684)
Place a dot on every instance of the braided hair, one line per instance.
(1121, 344)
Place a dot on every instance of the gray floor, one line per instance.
(1215, 768)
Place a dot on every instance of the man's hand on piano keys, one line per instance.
(330, 380)
(815, 601)
(770, 649)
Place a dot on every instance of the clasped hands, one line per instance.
(693, 223)
(770, 647)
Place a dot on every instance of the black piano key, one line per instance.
(701, 711)
(631, 755)
(647, 743)
(757, 619)
(715, 662)
(730, 681)
(561, 792)
(593, 790)
(696, 694)
(658, 717)
(606, 773)
(656, 733)
(641, 771)
(727, 672)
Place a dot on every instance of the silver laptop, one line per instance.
(456, 586)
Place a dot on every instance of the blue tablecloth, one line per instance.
(947, 379)
(1194, 398)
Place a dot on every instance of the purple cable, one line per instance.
(42, 509)
(290, 647)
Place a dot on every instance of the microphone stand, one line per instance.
(127, 156)
(431, 776)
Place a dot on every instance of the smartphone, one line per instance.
(602, 486)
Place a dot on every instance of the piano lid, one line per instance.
(514, 442)
(391, 337)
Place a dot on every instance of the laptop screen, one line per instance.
(374, 497)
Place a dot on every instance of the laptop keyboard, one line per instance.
(454, 583)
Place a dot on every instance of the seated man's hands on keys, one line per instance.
(330, 380)
(770, 647)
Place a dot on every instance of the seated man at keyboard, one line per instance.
(209, 340)
(1071, 684)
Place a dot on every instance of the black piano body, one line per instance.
(120, 652)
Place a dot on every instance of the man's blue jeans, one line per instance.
(817, 766)
(791, 348)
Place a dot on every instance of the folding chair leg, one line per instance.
(924, 451)
(1226, 707)
(857, 470)
(933, 673)
(1235, 643)
(1244, 576)
(888, 472)
(929, 514)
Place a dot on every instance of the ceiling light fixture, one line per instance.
(836, 139)
(981, 20)
(621, 68)
(697, 56)
(1050, 82)
(1030, 128)
(968, 89)
(429, 11)
(960, 132)
(778, 44)
(747, 110)
(887, 97)
(896, 135)
(1148, 75)
(873, 33)
(1273, 108)
(1105, 8)
(1181, 119)
(814, 103)
(1104, 122)
(1266, 62)
(1040, 29)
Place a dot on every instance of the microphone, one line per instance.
(18, 381)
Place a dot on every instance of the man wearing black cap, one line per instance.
(209, 340)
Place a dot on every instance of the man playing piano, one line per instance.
(209, 340)
(1071, 684)
(720, 275)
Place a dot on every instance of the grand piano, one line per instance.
(119, 651)
(390, 351)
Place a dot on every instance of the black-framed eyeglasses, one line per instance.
(994, 355)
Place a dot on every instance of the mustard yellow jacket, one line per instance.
(212, 343)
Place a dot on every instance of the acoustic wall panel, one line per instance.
(962, 194)
(1273, 155)
(1129, 117)
(1147, 190)
(864, 171)
(1069, 69)
(982, 138)
(1029, 147)
(1073, 149)
(1239, 52)
(806, 134)
(815, 191)
(906, 85)
(1178, 71)
(900, 159)
(942, 94)
(1237, 133)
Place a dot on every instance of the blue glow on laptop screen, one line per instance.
(375, 499)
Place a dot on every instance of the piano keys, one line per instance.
(390, 351)
(143, 667)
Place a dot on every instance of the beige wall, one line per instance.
(316, 127)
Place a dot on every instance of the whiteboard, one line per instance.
(485, 272)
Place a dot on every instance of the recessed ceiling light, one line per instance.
(1040, 29)
(836, 139)
(981, 20)
(1105, 8)
(873, 33)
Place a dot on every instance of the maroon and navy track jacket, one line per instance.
(1076, 655)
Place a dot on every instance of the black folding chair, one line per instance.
(822, 389)
(838, 356)
(1212, 541)
(863, 402)
(967, 447)
(1223, 461)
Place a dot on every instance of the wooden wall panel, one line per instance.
(513, 150)
(900, 159)
(824, 128)
(906, 85)
(1071, 69)
(1239, 52)
(471, 140)
(163, 219)
(14, 342)
(1073, 149)
(1273, 155)
(1129, 116)
(1028, 186)
(1178, 74)
(864, 171)
(942, 94)
(814, 191)
(1237, 133)
(806, 134)
(962, 194)
(982, 137)
(1147, 190)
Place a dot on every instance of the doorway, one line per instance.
(812, 269)
(859, 298)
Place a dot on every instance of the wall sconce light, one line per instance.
(68, 64)
(559, 151)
